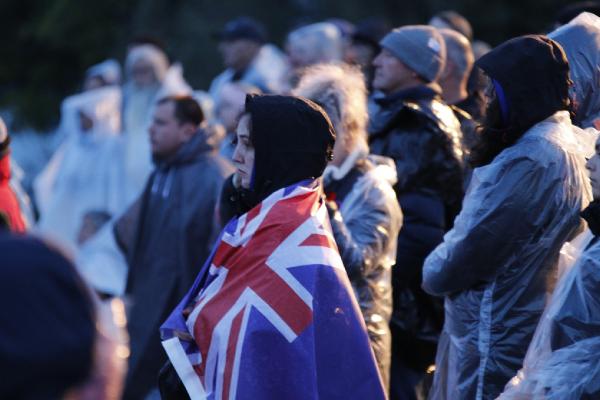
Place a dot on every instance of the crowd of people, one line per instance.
(373, 212)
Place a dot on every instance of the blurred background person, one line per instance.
(321, 42)
(168, 231)
(454, 80)
(248, 58)
(364, 46)
(451, 19)
(150, 77)
(228, 111)
(87, 171)
(364, 212)
(580, 40)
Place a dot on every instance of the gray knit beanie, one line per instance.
(419, 47)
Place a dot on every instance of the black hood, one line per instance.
(293, 140)
(533, 73)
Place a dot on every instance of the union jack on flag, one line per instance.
(272, 314)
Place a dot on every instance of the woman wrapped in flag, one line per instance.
(272, 314)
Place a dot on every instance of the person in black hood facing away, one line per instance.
(295, 143)
(497, 264)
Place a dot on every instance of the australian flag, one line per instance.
(272, 314)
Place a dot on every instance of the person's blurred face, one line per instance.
(391, 75)
(243, 155)
(231, 106)
(167, 135)
(142, 73)
(593, 166)
(361, 54)
(238, 54)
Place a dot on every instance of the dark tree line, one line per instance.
(45, 46)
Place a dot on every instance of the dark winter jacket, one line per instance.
(173, 229)
(423, 137)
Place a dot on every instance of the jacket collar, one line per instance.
(415, 93)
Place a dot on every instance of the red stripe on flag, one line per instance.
(231, 350)
(319, 240)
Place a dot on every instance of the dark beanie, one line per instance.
(532, 72)
(293, 140)
(47, 319)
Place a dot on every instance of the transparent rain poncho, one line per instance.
(580, 40)
(562, 361)
(86, 172)
(366, 232)
(494, 266)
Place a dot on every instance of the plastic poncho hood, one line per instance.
(293, 140)
(533, 74)
(580, 40)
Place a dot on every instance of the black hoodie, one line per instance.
(533, 73)
(293, 140)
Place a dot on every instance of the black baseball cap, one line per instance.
(242, 28)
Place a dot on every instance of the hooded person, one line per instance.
(271, 314)
(522, 204)
(150, 77)
(580, 40)
(86, 172)
(57, 340)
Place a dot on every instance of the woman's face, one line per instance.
(593, 166)
(243, 155)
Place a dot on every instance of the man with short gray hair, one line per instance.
(459, 63)
(454, 80)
